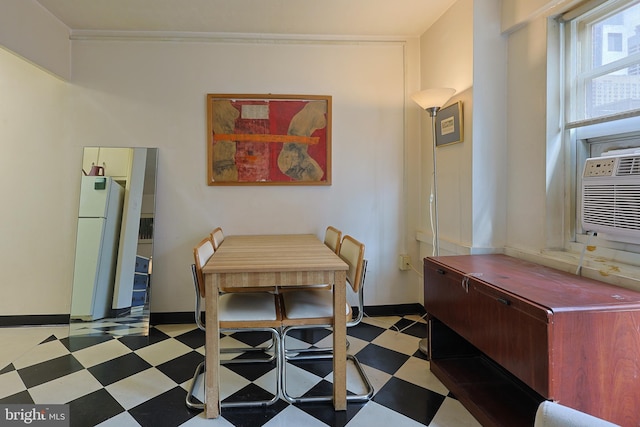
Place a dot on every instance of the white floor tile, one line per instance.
(299, 381)
(376, 377)
(176, 329)
(15, 342)
(201, 421)
(157, 354)
(452, 413)
(292, 416)
(100, 353)
(402, 343)
(120, 420)
(382, 321)
(41, 353)
(417, 371)
(65, 389)
(11, 383)
(140, 387)
(373, 414)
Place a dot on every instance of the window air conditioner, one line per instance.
(611, 195)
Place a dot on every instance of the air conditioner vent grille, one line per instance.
(628, 166)
(612, 205)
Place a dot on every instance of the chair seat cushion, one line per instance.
(309, 303)
(246, 306)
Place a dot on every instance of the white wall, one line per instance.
(135, 93)
(30, 30)
(526, 127)
(39, 186)
(465, 50)
(446, 60)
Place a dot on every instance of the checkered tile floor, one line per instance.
(141, 381)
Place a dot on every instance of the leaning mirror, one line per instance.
(114, 242)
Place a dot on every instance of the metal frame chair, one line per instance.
(313, 308)
(237, 312)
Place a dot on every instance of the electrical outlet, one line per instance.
(404, 262)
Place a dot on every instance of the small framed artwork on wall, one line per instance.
(449, 124)
(268, 139)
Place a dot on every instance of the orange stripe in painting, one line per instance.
(261, 137)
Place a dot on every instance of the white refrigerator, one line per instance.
(99, 220)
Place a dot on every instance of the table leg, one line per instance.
(339, 342)
(212, 348)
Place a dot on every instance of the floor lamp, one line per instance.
(431, 100)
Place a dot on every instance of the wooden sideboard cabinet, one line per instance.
(506, 334)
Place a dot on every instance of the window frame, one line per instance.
(582, 135)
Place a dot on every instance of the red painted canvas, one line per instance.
(269, 140)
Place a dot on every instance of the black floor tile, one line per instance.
(381, 358)
(249, 393)
(7, 368)
(119, 368)
(416, 329)
(310, 336)
(49, 339)
(252, 338)
(182, 368)
(194, 339)
(364, 331)
(251, 371)
(75, 343)
(321, 368)
(93, 408)
(324, 412)
(50, 370)
(22, 397)
(253, 416)
(138, 342)
(167, 409)
(410, 400)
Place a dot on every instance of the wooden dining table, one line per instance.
(268, 261)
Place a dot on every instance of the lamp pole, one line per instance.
(431, 100)
(436, 242)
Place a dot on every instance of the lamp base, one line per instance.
(423, 346)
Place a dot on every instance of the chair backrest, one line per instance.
(217, 237)
(201, 254)
(332, 238)
(352, 252)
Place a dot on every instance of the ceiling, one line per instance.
(370, 18)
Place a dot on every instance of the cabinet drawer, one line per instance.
(446, 297)
(513, 332)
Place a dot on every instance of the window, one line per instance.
(602, 90)
(614, 42)
(604, 54)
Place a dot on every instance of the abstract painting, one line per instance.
(268, 139)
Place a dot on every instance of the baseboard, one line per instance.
(392, 310)
(187, 316)
(35, 320)
(172, 318)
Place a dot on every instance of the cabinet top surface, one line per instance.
(551, 288)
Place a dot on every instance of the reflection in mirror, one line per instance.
(114, 243)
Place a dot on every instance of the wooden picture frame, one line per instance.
(268, 139)
(449, 128)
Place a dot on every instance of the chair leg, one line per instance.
(191, 404)
(292, 399)
(200, 369)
